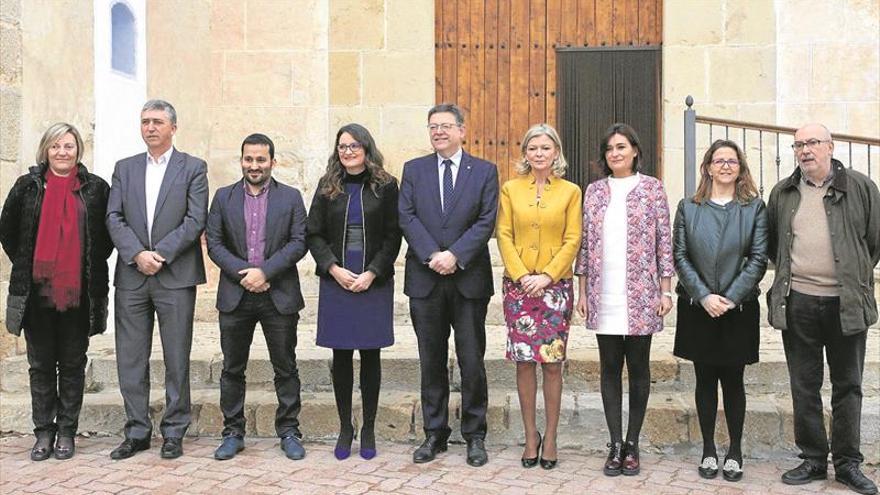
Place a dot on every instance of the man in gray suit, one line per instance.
(256, 234)
(156, 214)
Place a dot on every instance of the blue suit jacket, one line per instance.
(464, 229)
(285, 245)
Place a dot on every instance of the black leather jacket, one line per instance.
(720, 249)
(325, 230)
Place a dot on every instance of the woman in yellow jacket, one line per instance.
(539, 230)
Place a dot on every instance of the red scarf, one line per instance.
(57, 264)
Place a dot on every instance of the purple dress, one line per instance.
(349, 320)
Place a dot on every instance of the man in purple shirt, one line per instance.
(256, 234)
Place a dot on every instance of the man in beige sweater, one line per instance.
(825, 241)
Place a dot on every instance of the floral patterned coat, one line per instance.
(648, 251)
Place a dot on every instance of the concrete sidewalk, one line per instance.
(262, 468)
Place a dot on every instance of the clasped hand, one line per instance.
(254, 280)
(443, 262)
(351, 281)
(534, 284)
(149, 262)
(716, 305)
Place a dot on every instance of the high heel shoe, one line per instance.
(530, 462)
(548, 463)
(368, 443)
(343, 443)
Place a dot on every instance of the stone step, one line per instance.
(670, 425)
(401, 364)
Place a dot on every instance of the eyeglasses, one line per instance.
(720, 162)
(446, 127)
(353, 148)
(809, 143)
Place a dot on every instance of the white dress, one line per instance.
(612, 315)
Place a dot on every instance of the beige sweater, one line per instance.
(812, 258)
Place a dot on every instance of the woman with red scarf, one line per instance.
(52, 228)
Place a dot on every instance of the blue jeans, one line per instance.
(814, 323)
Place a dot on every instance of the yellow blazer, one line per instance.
(539, 237)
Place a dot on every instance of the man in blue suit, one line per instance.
(448, 203)
(256, 233)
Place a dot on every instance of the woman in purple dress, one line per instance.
(354, 238)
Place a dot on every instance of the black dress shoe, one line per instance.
(804, 474)
(732, 470)
(64, 448)
(42, 448)
(476, 452)
(429, 449)
(172, 448)
(851, 476)
(530, 462)
(708, 469)
(130, 447)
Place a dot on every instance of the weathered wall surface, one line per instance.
(783, 62)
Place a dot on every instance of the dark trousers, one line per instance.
(56, 351)
(135, 315)
(236, 334)
(814, 323)
(432, 318)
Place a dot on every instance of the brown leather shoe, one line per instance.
(630, 459)
(614, 463)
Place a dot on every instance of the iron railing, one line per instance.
(767, 148)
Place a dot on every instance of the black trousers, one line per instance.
(432, 318)
(236, 334)
(635, 352)
(56, 351)
(814, 324)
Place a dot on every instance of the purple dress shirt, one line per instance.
(255, 224)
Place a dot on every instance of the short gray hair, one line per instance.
(448, 108)
(163, 105)
(559, 165)
(53, 134)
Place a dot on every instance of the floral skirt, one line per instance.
(537, 327)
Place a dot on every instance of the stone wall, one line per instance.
(235, 67)
(45, 76)
(382, 72)
(783, 62)
(10, 137)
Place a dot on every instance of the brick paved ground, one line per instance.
(261, 468)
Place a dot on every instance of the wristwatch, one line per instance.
(668, 294)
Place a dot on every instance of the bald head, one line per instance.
(813, 148)
(814, 129)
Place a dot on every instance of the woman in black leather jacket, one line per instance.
(720, 252)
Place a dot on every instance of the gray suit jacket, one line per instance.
(285, 245)
(178, 222)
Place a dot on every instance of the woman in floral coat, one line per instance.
(624, 293)
(539, 230)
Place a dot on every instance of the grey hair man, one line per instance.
(156, 215)
(823, 298)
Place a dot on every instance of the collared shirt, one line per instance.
(828, 178)
(456, 161)
(152, 183)
(255, 223)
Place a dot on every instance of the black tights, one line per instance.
(636, 352)
(343, 382)
(706, 397)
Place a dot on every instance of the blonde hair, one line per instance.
(559, 164)
(53, 134)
